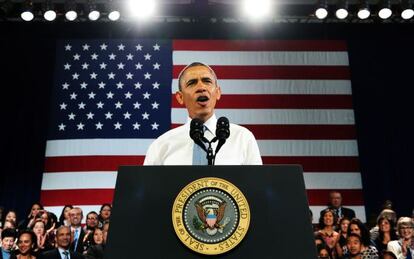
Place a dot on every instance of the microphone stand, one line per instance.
(211, 156)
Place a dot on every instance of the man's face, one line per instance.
(75, 217)
(199, 92)
(354, 246)
(63, 238)
(7, 243)
(92, 220)
(335, 199)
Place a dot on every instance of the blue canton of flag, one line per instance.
(111, 89)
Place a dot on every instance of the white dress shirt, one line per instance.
(61, 250)
(175, 147)
(395, 247)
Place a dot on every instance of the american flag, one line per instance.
(112, 98)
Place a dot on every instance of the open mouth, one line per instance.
(202, 100)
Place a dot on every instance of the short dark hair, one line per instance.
(354, 235)
(91, 212)
(8, 232)
(32, 237)
(195, 64)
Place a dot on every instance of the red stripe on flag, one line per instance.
(100, 196)
(300, 131)
(259, 45)
(90, 163)
(321, 197)
(318, 164)
(111, 163)
(76, 197)
(281, 102)
(276, 72)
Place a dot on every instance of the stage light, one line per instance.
(70, 7)
(364, 11)
(49, 13)
(342, 9)
(407, 9)
(385, 9)
(257, 9)
(114, 13)
(142, 8)
(27, 11)
(93, 13)
(321, 11)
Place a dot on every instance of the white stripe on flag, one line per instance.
(277, 116)
(87, 147)
(308, 147)
(124, 147)
(263, 58)
(246, 86)
(107, 180)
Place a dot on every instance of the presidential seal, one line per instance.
(211, 216)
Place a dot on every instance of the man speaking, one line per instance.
(195, 143)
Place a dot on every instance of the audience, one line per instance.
(386, 233)
(404, 247)
(8, 237)
(27, 244)
(64, 219)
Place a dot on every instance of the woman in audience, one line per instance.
(326, 229)
(35, 212)
(386, 233)
(323, 251)
(11, 216)
(343, 231)
(26, 242)
(64, 216)
(368, 249)
(104, 214)
(43, 239)
(404, 247)
(96, 250)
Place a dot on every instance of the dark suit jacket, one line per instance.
(346, 212)
(54, 254)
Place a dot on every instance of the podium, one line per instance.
(142, 226)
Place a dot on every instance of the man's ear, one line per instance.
(218, 92)
(179, 97)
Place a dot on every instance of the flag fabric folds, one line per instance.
(112, 98)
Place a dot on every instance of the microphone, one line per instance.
(197, 132)
(222, 132)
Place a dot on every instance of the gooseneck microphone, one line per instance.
(222, 132)
(197, 133)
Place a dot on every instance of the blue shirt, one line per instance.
(5, 253)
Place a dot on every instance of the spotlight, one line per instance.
(142, 8)
(342, 11)
(70, 7)
(407, 9)
(93, 14)
(257, 9)
(114, 13)
(49, 14)
(27, 11)
(322, 9)
(364, 11)
(385, 9)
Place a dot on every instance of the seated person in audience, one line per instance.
(8, 237)
(404, 247)
(63, 240)
(386, 233)
(323, 251)
(390, 214)
(35, 212)
(343, 232)
(326, 228)
(27, 244)
(354, 246)
(335, 204)
(64, 219)
(96, 250)
(104, 214)
(368, 249)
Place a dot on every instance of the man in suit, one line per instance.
(63, 238)
(335, 204)
(78, 234)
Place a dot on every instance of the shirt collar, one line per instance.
(61, 250)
